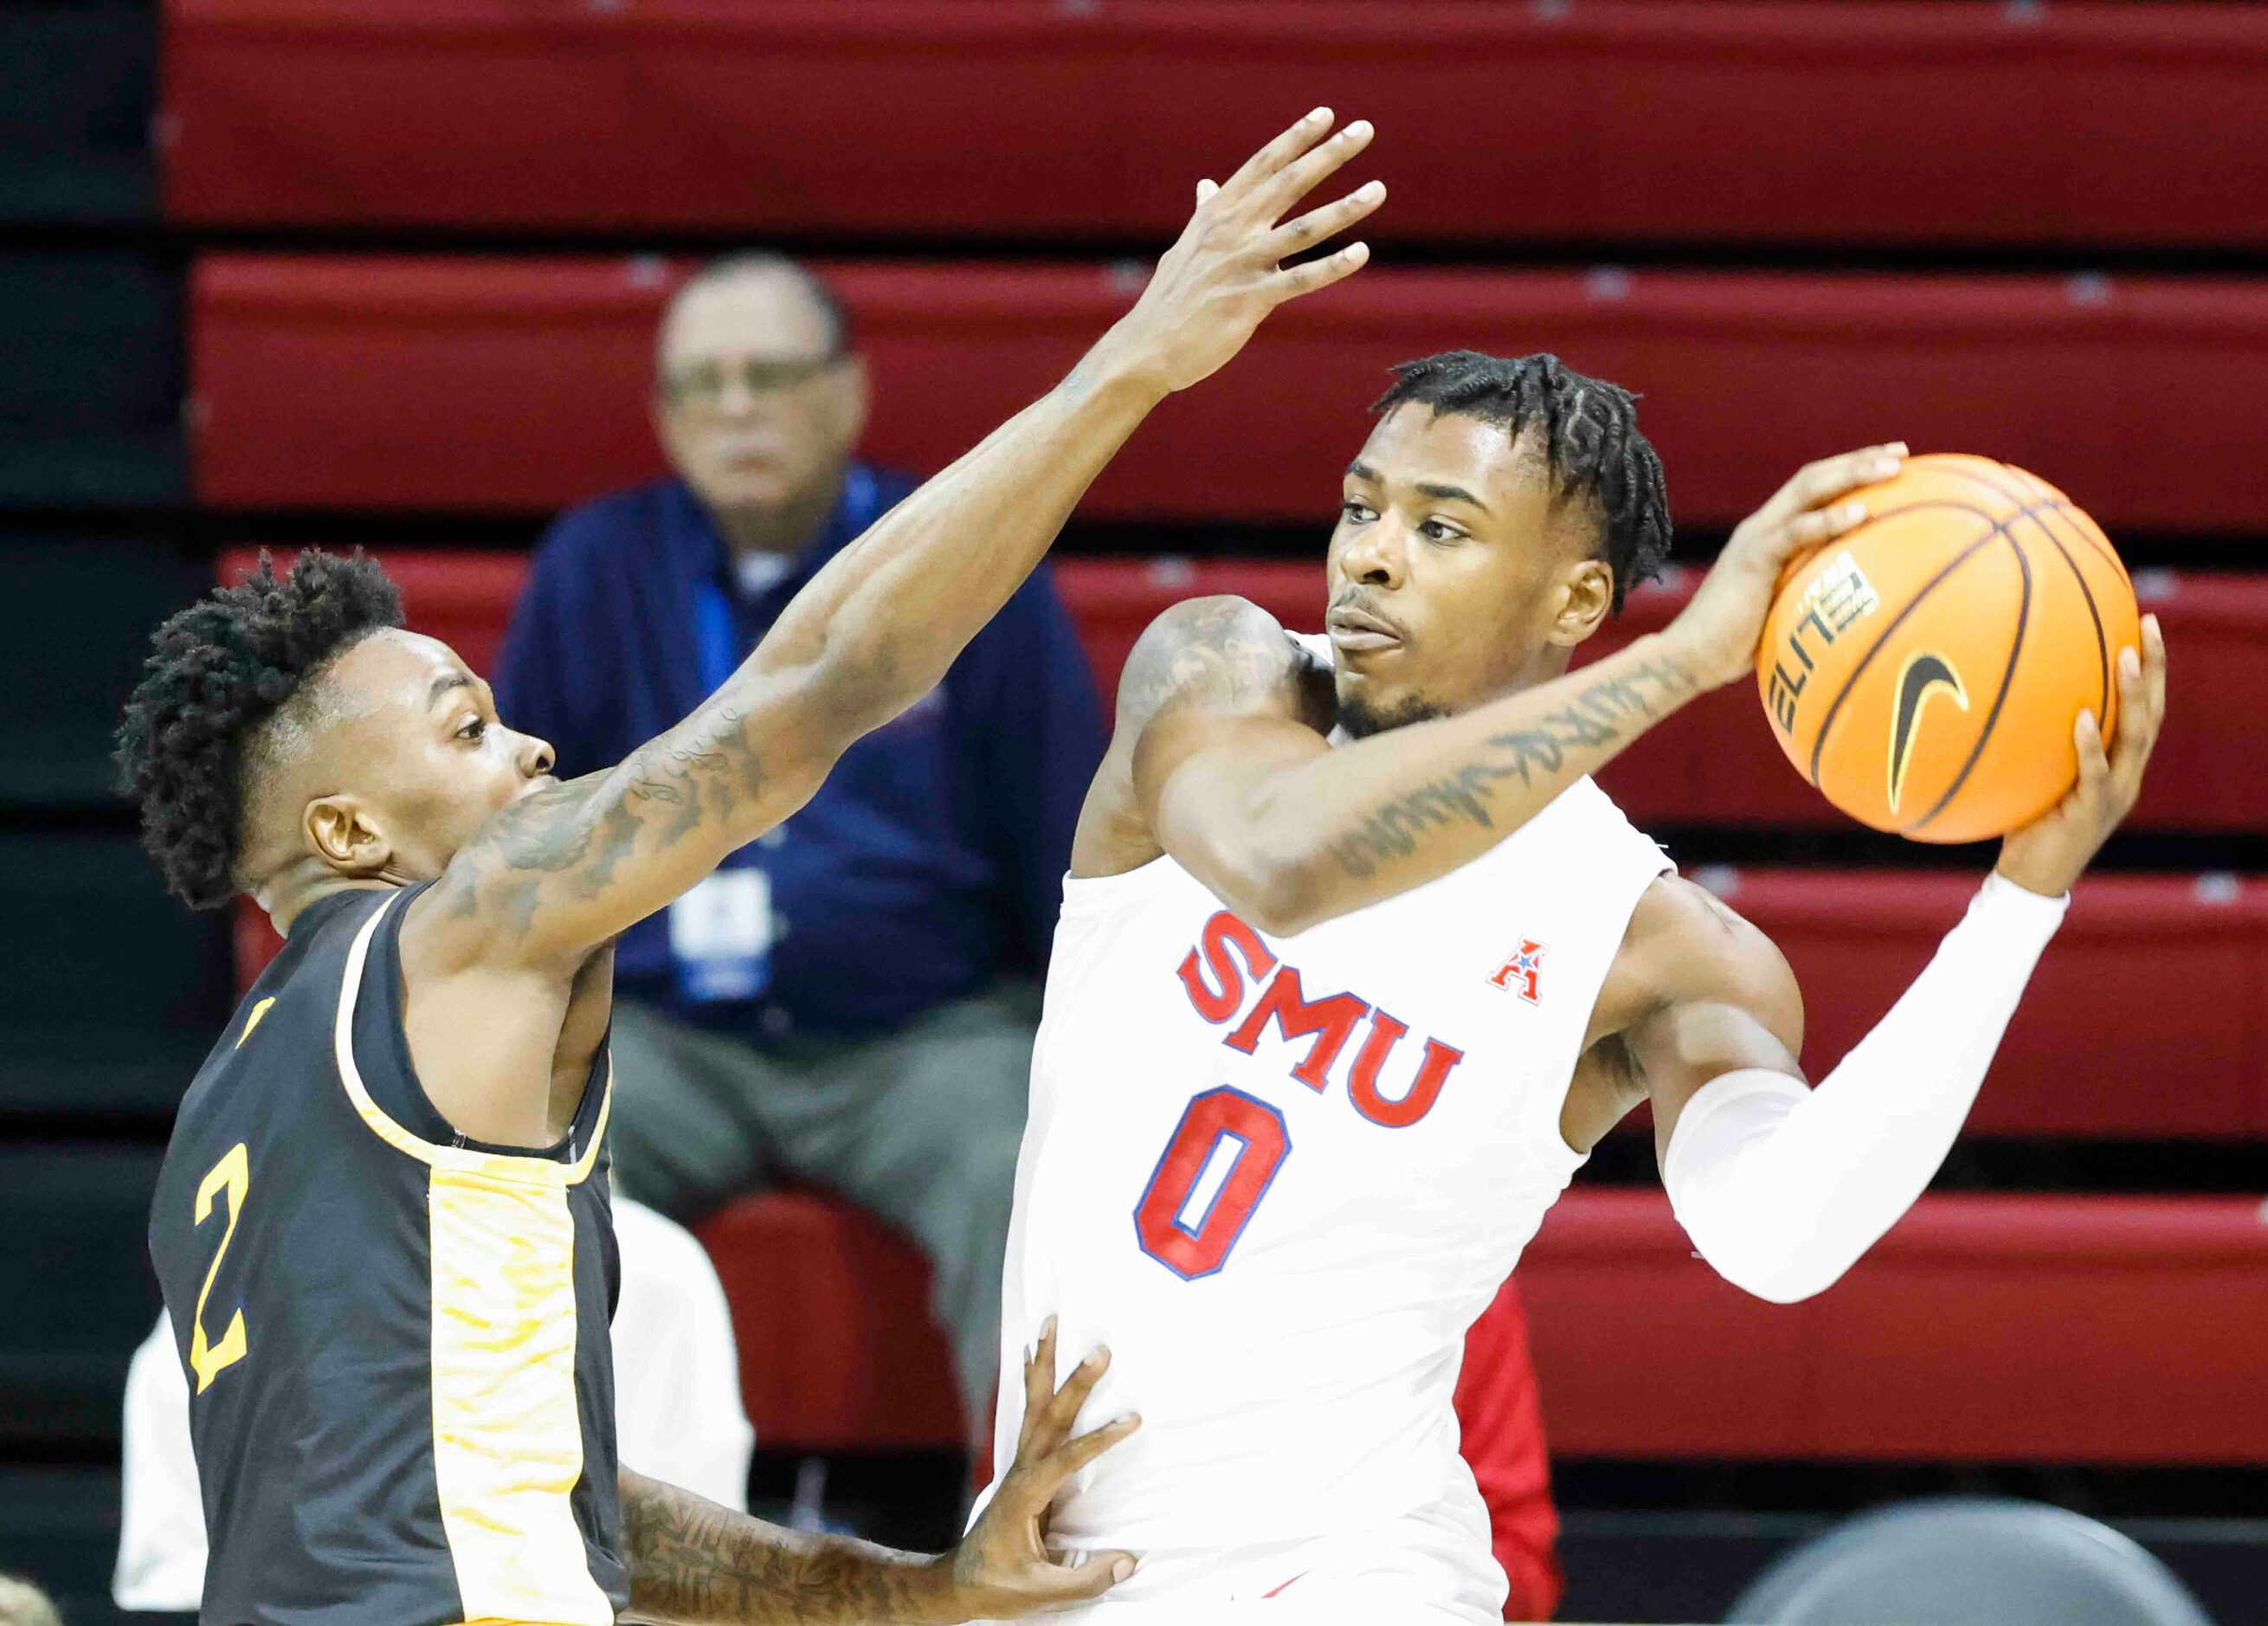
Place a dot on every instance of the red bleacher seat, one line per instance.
(1036, 120)
(1982, 1328)
(2006, 1328)
(830, 1311)
(1714, 763)
(520, 385)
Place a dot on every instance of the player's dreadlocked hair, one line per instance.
(1590, 436)
(217, 672)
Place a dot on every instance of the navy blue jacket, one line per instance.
(932, 859)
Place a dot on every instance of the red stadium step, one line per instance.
(2003, 1328)
(2018, 1328)
(1713, 763)
(2064, 124)
(2147, 1016)
(1717, 761)
(497, 385)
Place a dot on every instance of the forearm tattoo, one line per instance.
(1602, 712)
(695, 1564)
(565, 844)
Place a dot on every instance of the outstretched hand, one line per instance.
(1002, 1569)
(1225, 274)
(1717, 633)
(2047, 855)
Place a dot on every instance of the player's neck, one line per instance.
(1549, 663)
(287, 896)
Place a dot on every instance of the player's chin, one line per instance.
(1367, 706)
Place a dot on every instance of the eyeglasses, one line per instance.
(704, 383)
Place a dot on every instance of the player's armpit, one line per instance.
(1709, 995)
(1783, 1188)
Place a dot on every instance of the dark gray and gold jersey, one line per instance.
(401, 1393)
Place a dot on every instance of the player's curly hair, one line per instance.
(217, 672)
(1590, 435)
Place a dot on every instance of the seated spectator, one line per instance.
(849, 999)
(677, 1411)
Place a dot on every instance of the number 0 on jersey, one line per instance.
(1222, 1158)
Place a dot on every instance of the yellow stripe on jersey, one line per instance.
(253, 1021)
(507, 1433)
(507, 1439)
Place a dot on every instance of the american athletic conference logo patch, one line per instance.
(1520, 973)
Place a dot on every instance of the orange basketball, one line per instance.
(1924, 670)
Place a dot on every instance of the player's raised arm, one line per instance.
(695, 1564)
(1288, 833)
(562, 870)
(1782, 1188)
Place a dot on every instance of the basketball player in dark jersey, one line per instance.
(382, 1226)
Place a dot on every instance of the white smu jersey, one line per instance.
(1281, 1176)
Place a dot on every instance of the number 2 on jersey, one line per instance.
(1203, 1171)
(232, 1175)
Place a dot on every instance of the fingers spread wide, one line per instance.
(1271, 159)
(1039, 1382)
(1296, 180)
(1305, 279)
(1063, 1409)
(1076, 1453)
(1327, 221)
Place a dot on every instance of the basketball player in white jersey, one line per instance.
(1357, 964)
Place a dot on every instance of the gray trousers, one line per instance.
(921, 1126)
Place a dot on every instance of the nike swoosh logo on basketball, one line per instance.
(1923, 673)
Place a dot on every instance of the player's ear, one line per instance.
(341, 831)
(1585, 595)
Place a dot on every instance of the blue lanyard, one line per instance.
(716, 631)
(715, 636)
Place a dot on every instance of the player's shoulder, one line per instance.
(1219, 650)
(1685, 945)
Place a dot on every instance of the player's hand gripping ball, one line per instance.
(1923, 669)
